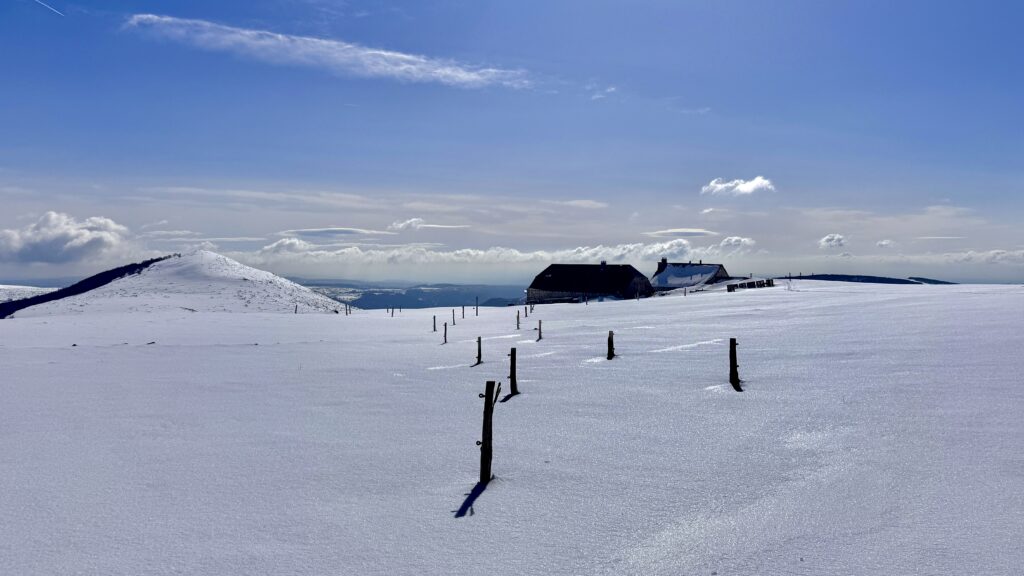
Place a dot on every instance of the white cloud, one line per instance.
(737, 242)
(681, 233)
(332, 55)
(332, 232)
(291, 248)
(172, 233)
(719, 187)
(885, 243)
(987, 257)
(832, 241)
(419, 224)
(581, 203)
(60, 238)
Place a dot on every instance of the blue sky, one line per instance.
(477, 141)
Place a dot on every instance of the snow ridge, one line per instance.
(200, 281)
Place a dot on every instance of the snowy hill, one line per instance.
(200, 281)
(8, 292)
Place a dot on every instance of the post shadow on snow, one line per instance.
(471, 496)
(509, 396)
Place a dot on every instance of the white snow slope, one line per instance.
(8, 292)
(199, 281)
(880, 433)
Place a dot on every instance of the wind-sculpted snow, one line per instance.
(200, 281)
(879, 433)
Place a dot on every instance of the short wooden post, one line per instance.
(611, 344)
(296, 308)
(453, 316)
(513, 382)
(540, 330)
(526, 312)
(435, 322)
(517, 319)
(463, 311)
(392, 312)
(486, 447)
(445, 332)
(477, 313)
(479, 352)
(734, 372)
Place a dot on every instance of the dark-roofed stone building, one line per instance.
(687, 275)
(576, 282)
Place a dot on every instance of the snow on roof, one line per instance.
(685, 275)
(199, 281)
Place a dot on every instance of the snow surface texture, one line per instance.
(880, 433)
(199, 281)
(8, 293)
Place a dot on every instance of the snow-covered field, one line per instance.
(880, 432)
(8, 292)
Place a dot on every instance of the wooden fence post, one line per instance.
(526, 312)
(445, 332)
(540, 330)
(463, 311)
(479, 352)
(485, 443)
(611, 344)
(477, 313)
(435, 322)
(453, 316)
(513, 382)
(296, 308)
(734, 372)
(517, 319)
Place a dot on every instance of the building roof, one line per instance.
(687, 274)
(587, 278)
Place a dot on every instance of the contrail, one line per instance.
(41, 3)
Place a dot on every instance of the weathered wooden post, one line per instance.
(485, 443)
(513, 382)
(734, 372)
(611, 344)
(479, 352)
(526, 312)
(463, 311)
(540, 330)
(392, 312)
(435, 322)
(517, 319)
(453, 316)
(296, 308)
(445, 332)
(477, 313)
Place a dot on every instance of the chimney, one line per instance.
(604, 264)
(661, 266)
(700, 262)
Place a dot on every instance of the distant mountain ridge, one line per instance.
(422, 296)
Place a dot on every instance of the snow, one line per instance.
(879, 433)
(9, 292)
(685, 275)
(198, 281)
